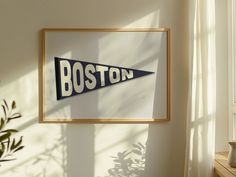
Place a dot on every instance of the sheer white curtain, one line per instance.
(200, 143)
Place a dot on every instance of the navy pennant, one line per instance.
(75, 77)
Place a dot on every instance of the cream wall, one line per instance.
(85, 150)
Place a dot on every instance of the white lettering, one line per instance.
(78, 87)
(125, 74)
(89, 69)
(77, 76)
(65, 79)
(102, 70)
(114, 75)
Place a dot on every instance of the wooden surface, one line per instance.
(222, 168)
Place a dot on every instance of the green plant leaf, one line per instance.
(14, 116)
(4, 110)
(6, 104)
(8, 143)
(18, 143)
(3, 137)
(19, 148)
(2, 149)
(13, 105)
(2, 123)
(6, 160)
(1, 153)
(13, 144)
(9, 131)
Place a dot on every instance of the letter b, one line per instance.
(65, 78)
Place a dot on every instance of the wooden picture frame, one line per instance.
(143, 100)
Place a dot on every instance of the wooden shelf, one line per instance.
(222, 168)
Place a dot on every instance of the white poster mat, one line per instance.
(142, 98)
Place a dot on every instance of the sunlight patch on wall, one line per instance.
(24, 90)
(150, 20)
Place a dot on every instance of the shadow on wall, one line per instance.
(129, 163)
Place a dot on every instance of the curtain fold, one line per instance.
(200, 140)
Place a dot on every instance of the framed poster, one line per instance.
(105, 75)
